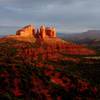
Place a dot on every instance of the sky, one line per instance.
(65, 15)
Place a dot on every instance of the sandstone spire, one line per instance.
(42, 31)
(53, 31)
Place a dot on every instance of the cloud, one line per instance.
(64, 14)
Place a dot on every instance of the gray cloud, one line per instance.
(66, 15)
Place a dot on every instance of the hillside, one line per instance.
(37, 65)
(90, 34)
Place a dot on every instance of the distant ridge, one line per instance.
(90, 34)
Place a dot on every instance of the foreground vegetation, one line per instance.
(47, 72)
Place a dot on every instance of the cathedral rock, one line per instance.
(43, 32)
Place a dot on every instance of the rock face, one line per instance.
(28, 30)
(51, 31)
(43, 32)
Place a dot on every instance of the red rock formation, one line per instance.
(54, 32)
(51, 32)
(28, 30)
(43, 32)
(47, 32)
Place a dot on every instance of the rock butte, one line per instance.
(31, 34)
(43, 32)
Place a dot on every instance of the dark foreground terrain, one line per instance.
(45, 71)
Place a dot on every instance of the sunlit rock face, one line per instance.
(28, 30)
(43, 32)
(50, 32)
(46, 32)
